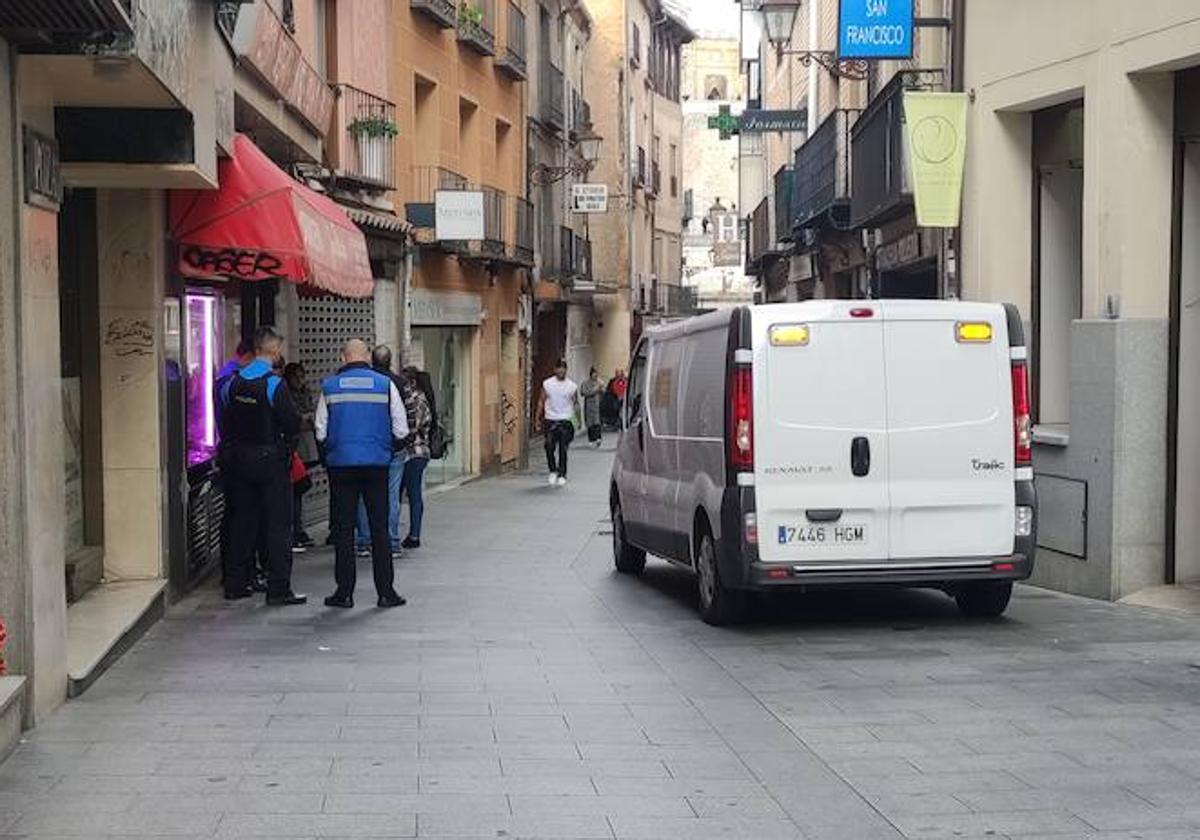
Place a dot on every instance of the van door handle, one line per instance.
(823, 515)
(860, 456)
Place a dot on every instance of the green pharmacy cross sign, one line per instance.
(757, 122)
(725, 122)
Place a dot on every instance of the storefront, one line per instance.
(261, 250)
(444, 328)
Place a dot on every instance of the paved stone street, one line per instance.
(528, 691)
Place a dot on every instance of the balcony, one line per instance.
(639, 168)
(551, 94)
(821, 177)
(365, 152)
(494, 208)
(881, 190)
(550, 256)
(784, 188)
(43, 22)
(761, 237)
(523, 245)
(426, 182)
(441, 12)
(511, 60)
(581, 113)
(477, 25)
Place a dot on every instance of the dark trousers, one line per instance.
(412, 484)
(347, 485)
(298, 511)
(559, 434)
(256, 480)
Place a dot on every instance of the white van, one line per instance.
(831, 443)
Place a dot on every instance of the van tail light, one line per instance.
(741, 419)
(1022, 430)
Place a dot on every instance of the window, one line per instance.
(674, 170)
(635, 398)
(703, 372)
(635, 48)
(665, 364)
(1058, 255)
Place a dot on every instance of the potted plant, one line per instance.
(470, 18)
(371, 131)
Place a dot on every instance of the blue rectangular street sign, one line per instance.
(877, 29)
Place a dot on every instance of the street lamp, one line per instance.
(589, 143)
(779, 17)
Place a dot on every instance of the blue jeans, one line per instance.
(363, 530)
(413, 485)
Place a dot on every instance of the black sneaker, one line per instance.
(288, 599)
(259, 583)
(393, 600)
(342, 602)
(239, 595)
(410, 542)
(304, 540)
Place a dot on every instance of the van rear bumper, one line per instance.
(925, 572)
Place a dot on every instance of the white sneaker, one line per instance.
(562, 481)
(552, 479)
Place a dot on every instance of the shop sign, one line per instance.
(899, 252)
(875, 29)
(429, 308)
(458, 215)
(936, 124)
(43, 170)
(727, 254)
(589, 198)
(760, 122)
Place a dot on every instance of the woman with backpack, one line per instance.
(421, 405)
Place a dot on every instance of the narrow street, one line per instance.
(528, 691)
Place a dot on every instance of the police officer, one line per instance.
(258, 418)
(360, 421)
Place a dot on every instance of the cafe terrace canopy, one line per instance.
(263, 224)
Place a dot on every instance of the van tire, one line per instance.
(628, 559)
(719, 605)
(984, 600)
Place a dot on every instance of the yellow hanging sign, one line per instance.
(936, 124)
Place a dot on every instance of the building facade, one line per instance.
(713, 240)
(1081, 197)
(637, 53)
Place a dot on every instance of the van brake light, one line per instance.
(1022, 429)
(741, 419)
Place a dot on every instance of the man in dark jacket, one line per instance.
(360, 419)
(258, 418)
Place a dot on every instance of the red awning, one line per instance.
(262, 223)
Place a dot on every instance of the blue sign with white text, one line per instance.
(875, 29)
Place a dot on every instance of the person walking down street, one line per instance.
(419, 402)
(592, 392)
(306, 455)
(381, 362)
(557, 405)
(360, 419)
(258, 418)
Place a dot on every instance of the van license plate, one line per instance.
(833, 534)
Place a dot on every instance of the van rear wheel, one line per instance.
(627, 559)
(984, 600)
(719, 605)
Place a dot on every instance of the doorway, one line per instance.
(443, 354)
(79, 340)
(1185, 543)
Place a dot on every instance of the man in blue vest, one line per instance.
(258, 421)
(360, 421)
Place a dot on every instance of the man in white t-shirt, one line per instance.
(557, 405)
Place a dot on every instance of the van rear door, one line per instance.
(820, 432)
(950, 429)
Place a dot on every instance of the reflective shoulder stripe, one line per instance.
(351, 397)
(359, 383)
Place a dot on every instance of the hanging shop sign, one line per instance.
(589, 198)
(936, 124)
(875, 29)
(762, 122)
(458, 215)
(725, 122)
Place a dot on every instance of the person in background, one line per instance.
(306, 450)
(592, 391)
(242, 356)
(557, 406)
(381, 362)
(360, 417)
(419, 402)
(258, 419)
(619, 385)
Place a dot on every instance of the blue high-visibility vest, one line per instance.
(360, 419)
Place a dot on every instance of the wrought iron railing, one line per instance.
(426, 181)
(760, 236)
(477, 25)
(366, 138)
(821, 194)
(442, 12)
(550, 255)
(879, 174)
(784, 188)
(494, 208)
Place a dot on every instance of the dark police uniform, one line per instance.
(358, 423)
(258, 418)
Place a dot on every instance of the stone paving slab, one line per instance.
(527, 691)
